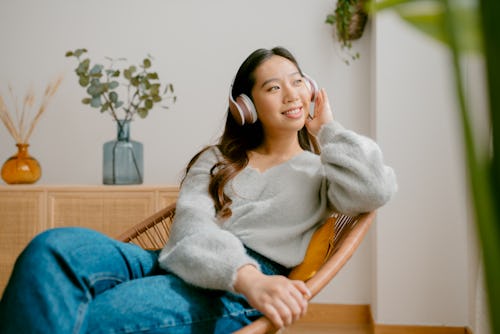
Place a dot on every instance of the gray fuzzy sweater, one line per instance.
(275, 212)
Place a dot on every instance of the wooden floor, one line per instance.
(327, 328)
(338, 319)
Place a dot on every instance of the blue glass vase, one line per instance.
(123, 158)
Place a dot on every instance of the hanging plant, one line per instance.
(349, 20)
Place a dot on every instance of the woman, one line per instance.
(245, 214)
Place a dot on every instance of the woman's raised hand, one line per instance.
(280, 299)
(322, 113)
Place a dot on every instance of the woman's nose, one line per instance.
(290, 93)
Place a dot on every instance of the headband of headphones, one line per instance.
(243, 109)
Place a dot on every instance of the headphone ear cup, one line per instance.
(248, 108)
(313, 87)
(242, 109)
(236, 111)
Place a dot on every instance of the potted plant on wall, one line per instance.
(349, 21)
(122, 157)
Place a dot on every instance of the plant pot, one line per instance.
(357, 23)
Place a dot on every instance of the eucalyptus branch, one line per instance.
(142, 89)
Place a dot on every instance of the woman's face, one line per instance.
(280, 95)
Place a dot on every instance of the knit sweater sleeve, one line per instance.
(357, 179)
(199, 250)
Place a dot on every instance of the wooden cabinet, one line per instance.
(28, 210)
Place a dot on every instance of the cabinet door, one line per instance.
(167, 197)
(107, 212)
(21, 218)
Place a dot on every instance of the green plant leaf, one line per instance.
(142, 88)
(142, 112)
(114, 84)
(83, 67)
(95, 88)
(170, 87)
(96, 102)
(428, 16)
(153, 76)
(113, 97)
(84, 80)
(79, 52)
(96, 70)
(134, 81)
(105, 106)
(330, 19)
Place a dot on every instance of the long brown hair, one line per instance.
(236, 141)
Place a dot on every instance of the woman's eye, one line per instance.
(298, 82)
(272, 88)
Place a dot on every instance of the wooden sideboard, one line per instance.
(28, 210)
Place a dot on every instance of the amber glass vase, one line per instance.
(21, 168)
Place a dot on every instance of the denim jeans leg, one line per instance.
(60, 272)
(75, 280)
(166, 304)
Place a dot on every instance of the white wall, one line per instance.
(413, 267)
(421, 239)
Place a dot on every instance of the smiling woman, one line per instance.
(236, 235)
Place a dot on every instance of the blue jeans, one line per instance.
(75, 280)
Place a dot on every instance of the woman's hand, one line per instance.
(280, 299)
(322, 113)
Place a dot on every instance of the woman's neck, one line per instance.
(274, 151)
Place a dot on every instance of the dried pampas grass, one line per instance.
(22, 124)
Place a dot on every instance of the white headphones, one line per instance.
(243, 109)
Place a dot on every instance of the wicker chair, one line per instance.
(153, 233)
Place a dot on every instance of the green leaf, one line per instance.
(69, 54)
(105, 107)
(428, 16)
(156, 98)
(155, 89)
(83, 67)
(169, 87)
(127, 74)
(330, 19)
(83, 81)
(146, 63)
(148, 104)
(114, 84)
(96, 102)
(96, 69)
(143, 112)
(95, 88)
(79, 52)
(113, 97)
(86, 100)
(153, 76)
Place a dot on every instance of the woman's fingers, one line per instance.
(322, 113)
(290, 304)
